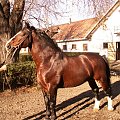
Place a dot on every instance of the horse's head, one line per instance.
(25, 38)
(22, 39)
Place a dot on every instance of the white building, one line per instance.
(92, 35)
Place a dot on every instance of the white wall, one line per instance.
(24, 51)
(105, 33)
(79, 46)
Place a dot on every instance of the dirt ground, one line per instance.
(72, 104)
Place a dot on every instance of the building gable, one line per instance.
(104, 18)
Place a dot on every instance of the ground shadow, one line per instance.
(88, 94)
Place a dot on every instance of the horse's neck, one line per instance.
(42, 52)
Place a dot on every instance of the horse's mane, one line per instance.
(42, 33)
(50, 41)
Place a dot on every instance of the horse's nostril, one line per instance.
(8, 46)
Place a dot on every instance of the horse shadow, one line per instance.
(87, 94)
(115, 91)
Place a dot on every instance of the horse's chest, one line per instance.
(49, 72)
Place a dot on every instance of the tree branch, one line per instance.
(16, 16)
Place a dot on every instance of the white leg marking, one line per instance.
(97, 104)
(110, 107)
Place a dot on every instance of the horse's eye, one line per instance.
(23, 34)
(8, 46)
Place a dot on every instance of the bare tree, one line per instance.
(13, 12)
(10, 21)
(101, 6)
(42, 11)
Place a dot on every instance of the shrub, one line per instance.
(25, 57)
(18, 74)
(77, 53)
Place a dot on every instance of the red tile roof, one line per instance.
(74, 30)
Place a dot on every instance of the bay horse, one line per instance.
(57, 70)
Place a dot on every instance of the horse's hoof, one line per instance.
(47, 119)
(96, 109)
(111, 109)
(53, 118)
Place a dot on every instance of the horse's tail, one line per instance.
(107, 68)
(109, 90)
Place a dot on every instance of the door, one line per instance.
(117, 50)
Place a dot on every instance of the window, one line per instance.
(85, 47)
(73, 46)
(105, 45)
(64, 47)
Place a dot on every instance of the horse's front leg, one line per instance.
(53, 95)
(47, 104)
(97, 100)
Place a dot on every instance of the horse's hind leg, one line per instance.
(107, 89)
(95, 89)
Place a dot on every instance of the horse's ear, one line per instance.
(27, 25)
(32, 28)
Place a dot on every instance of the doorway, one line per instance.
(117, 50)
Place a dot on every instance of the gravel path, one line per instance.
(72, 104)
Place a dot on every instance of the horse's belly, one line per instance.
(76, 73)
(73, 81)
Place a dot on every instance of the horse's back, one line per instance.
(93, 60)
(96, 60)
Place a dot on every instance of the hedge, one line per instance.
(17, 75)
(72, 53)
(25, 57)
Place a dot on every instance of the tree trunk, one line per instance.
(10, 23)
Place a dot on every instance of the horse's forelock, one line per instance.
(27, 25)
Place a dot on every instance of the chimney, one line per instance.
(70, 21)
